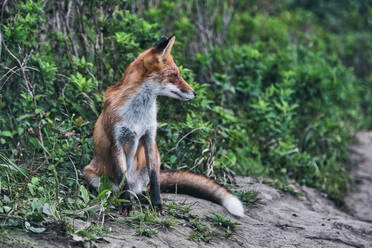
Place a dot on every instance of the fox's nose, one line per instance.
(194, 93)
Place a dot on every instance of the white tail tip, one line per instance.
(233, 205)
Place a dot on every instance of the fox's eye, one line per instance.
(175, 75)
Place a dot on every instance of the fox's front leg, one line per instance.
(120, 163)
(128, 143)
(152, 167)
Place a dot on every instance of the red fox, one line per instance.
(124, 134)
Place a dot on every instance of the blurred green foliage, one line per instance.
(281, 88)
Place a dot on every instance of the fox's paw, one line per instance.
(125, 210)
(159, 211)
(157, 208)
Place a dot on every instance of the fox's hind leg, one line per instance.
(92, 173)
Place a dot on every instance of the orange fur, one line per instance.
(148, 64)
(152, 67)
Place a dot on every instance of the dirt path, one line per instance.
(280, 220)
(360, 199)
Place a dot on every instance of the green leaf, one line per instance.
(7, 209)
(37, 205)
(49, 209)
(34, 229)
(34, 180)
(6, 134)
(84, 194)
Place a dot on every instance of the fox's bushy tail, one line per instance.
(202, 187)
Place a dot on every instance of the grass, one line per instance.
(180, 211)
(201, 232)
(148, 218)
(29, 203)
(9, 239)
(282, 186)
(248, 197)
(147, 223)
(222, 221)
(35, 203)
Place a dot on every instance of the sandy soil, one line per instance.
(279, 220)
(360, 199)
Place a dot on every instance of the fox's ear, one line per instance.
(164, 45)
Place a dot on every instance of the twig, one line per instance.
(192, 131)
(12, 71)
(29, 87)
(86, 209)
(77, 181)
(41, 165)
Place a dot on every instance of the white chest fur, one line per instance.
(139, 113)
(138, 118)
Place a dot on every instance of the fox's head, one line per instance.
(158, 68)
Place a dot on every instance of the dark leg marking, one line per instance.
(125, 206)
(126, 135)
(155, 190)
